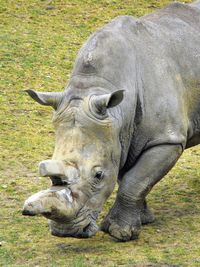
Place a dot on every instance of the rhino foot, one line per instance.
(123, 223)
(121, 230)
(146, 214)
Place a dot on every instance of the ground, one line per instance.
(40, 40)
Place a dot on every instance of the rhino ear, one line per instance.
(114, 99)
(100, 103)
(47, 99)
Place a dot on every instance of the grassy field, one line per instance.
(40, 40)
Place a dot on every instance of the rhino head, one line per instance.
(85, 162)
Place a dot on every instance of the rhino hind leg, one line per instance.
(130, 209)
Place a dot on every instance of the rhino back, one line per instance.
(176, 65)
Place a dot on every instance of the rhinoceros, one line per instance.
(131, 107)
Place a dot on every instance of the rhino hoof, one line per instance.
(147, 217)
(120, 233)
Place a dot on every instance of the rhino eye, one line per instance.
(99, 175)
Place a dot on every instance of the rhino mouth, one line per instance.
(83, 226)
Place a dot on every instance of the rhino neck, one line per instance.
(109, 54)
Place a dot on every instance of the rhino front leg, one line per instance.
(129, 210)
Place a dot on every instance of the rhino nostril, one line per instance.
(28, 213)
(57, 181)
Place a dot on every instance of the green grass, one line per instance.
(40, 40)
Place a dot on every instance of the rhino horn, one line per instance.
(56, 205)
(102, 102)
(51, 168)
(47, 99)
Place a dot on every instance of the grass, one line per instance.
(40, 40)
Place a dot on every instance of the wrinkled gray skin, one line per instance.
(131, 107)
